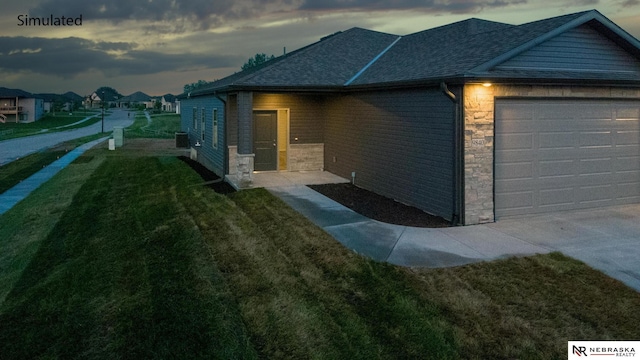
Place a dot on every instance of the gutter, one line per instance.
(457, 218)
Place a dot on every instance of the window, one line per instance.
(215, 128)
(195, 118)
(202, 114)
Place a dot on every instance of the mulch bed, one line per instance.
(378, 207)
(221, 187)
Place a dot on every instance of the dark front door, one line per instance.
(265, 134)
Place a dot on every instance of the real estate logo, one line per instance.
(603, 349)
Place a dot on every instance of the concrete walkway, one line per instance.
(11, 197)
(608, 240)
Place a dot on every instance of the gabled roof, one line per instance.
(169, 97)
(330, 62)
(12, 93)
(462, 50)
(72, 96)
(137, 96)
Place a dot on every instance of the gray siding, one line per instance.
(306, 114)
(231, 120)
(399, 143)
(580, 49)
(213, 159)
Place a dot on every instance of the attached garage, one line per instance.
(565, 154)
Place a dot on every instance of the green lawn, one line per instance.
(162, 126)
(135, 261)
(14, 172)
(47, 123)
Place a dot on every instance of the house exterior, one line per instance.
(168, 102)
(472, 121)
(20, 106)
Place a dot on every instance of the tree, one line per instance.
(258, 59)
(190, 87)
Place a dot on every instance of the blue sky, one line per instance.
(157, 46)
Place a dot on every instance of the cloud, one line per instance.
(181, 13)
(434, 6)
(69, 57)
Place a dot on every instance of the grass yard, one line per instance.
(14, 172)
(49, 122)
(162, 126)
(136, 260)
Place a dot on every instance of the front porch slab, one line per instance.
(270, 179)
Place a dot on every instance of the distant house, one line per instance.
(472, 121)
(20, 106)
(97, 99)
(136, 99)
(168, 103)
(60, 102)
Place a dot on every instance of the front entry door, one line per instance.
(265, 135)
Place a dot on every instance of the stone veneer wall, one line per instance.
(233, 160)
(305, 157)
(479, 135)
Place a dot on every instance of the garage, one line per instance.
(565, 154)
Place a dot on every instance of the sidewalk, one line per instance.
(404, 245)
(11, 197)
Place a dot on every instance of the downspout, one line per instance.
(457, 217)
(225, 151)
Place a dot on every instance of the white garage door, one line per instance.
(553, 155)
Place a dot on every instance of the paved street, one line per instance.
(16, 148)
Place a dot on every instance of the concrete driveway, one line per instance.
(606, 239)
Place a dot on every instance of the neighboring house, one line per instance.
(136, 99)
(97, 99)
(20, 106)
(64, 102)
(472, 121)
(169, 103)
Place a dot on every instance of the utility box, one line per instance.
(182, 140)
(112, 144)
(118, 135)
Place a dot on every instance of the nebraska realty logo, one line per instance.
(606, 349)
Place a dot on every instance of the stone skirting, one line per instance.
(479, 104)
(306, 157)
(233, 162)
(244, 174)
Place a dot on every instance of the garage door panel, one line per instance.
(628, 191)
(519, 170)
(519, 201)
(595, 166)
(556, 140)
(556, 168)
(554, 155)
(591, 139)
(628, 137)
(556, 197)
(518, 141)
(628, 163)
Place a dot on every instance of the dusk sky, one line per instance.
(157, 46)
